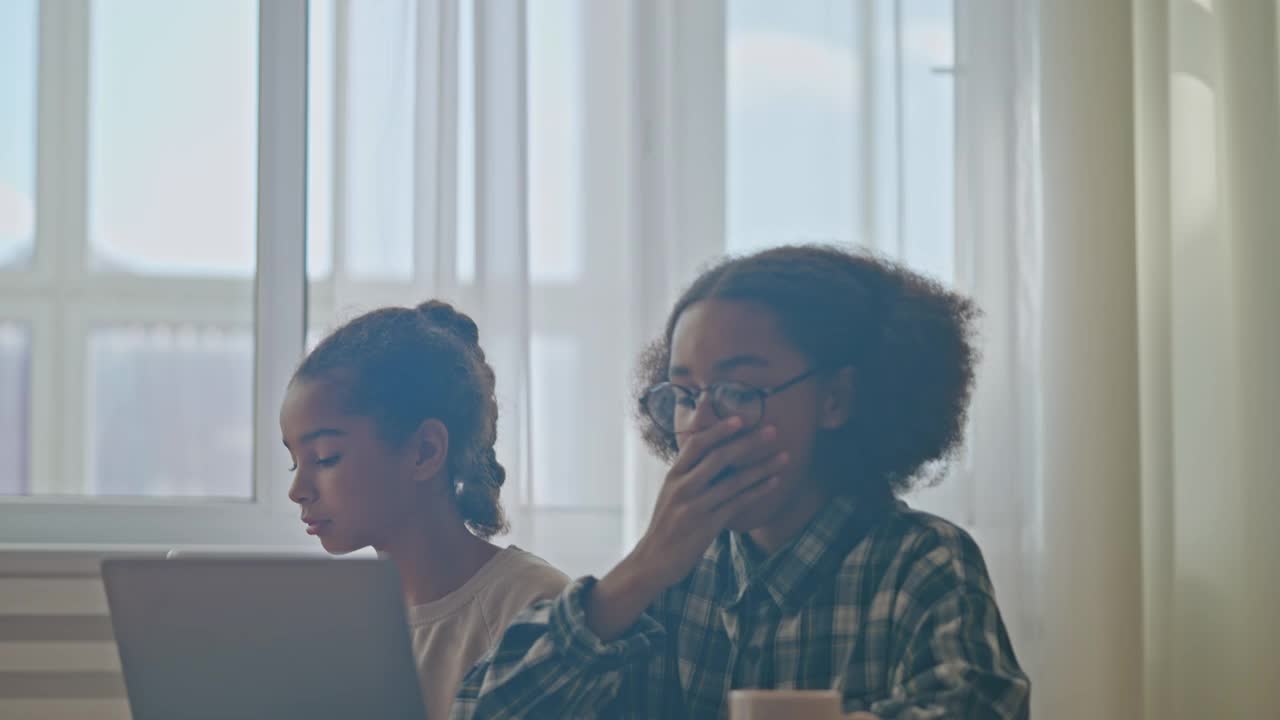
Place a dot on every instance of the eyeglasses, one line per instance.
(672, 406)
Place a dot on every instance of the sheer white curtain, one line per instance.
(418, 180)
(996, 490)
(1157, 130)
(556, 170)
(1090, 652)
(1208, 76)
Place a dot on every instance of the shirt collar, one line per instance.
(792, 573)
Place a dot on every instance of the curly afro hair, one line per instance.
(908, 340)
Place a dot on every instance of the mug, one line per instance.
(785, 705)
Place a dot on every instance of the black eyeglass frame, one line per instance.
(696, 394)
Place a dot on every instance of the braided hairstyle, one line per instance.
(908, 340)
(401, 366)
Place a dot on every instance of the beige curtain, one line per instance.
(1208, 132)
(1159, 136)
(1090, 654)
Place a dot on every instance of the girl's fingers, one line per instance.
(741, 480)
(697, 445)
(726, 459)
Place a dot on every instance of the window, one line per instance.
(172, 145)
(171, 169)
(841, 126)
(134, 328)
(15, 407)
(793, 118)
(556, 118)
(17, 132)
(153, 295)
(141, 286)
(372, 241)
(187, 392)
(129, 252)
(18, 25)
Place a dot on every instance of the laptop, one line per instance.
(262, 637)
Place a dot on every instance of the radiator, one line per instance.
(58, 659)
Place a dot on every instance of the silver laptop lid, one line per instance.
(262, 637)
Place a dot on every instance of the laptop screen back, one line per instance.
(254, 637)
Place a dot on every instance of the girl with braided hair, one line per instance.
(391, 422)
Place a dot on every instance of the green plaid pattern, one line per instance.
(898, 614)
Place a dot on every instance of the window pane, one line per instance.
(15, 408)
(570, 401)
(164, 384)
(377, 105)
(320, 137)
(791, 117)
(841, 127)
(555, 399)
(18, 32)
(556, 108)
(173, 136)
(170, 411)
(465, 263)
(928, 55)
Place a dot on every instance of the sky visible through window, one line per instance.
(172, 166)
(173, 143)
(795, 114)
(17, 129)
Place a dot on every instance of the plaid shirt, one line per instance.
(895, 611)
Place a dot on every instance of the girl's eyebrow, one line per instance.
(725, 365)
(321, 432)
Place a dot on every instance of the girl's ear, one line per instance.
(837, 400)
(430, 449)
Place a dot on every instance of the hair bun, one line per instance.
(443, 315)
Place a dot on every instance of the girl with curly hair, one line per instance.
(796, 393)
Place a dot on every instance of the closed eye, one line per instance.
(328, 461)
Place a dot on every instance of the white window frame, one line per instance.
(58, 299)
(663, 50)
